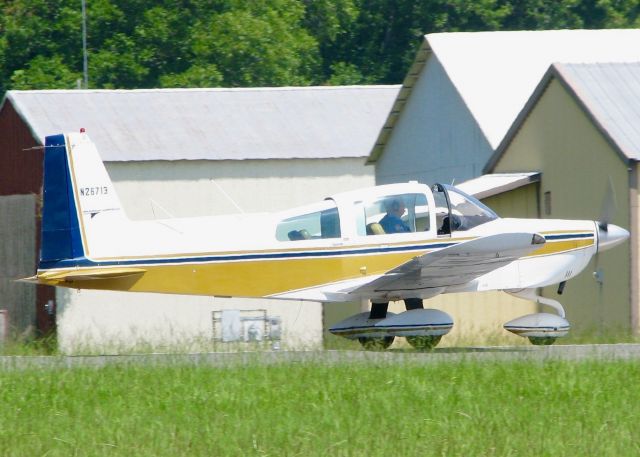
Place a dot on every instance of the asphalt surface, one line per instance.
(442, 355)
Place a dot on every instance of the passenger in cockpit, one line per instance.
(392, 222)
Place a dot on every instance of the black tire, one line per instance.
(424, 343)
(542, 340)
(376, 343)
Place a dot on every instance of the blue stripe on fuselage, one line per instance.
(84, 262)
(568, 236)
(253, 256)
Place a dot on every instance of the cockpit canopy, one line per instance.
(459, 210)
(399, 213)
(441, 208)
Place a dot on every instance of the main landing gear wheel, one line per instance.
(424, 343)
(542, 340)
(371, 343)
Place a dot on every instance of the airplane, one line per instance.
(406, 241)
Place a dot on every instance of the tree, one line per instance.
(195, 76)
(261, 43)
(543, 15)
(44, 29)
(346, 74)
(168, 43)
(45, 73)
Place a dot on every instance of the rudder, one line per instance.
(61, 238)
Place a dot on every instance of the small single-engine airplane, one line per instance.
(393, 242)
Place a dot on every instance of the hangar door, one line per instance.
(18, 260)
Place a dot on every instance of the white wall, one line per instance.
(197, 188)
(436, 138)
(102, 321)
(116, 322)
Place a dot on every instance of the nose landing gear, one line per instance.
(542, 329)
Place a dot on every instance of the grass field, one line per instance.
(449, 409)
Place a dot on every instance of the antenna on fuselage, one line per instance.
(222, 191)
(154, 204)
(165, 222)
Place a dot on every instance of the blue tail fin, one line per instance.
(61, 237)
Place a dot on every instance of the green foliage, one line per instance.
(258, 44)
(36, 32)
(543, 14)
(196, 76)
(27, 345)
(162, 43)
(345, 74)
(45, 73)
(117, 64)
(349, 408)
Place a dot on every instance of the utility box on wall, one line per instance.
(246, 326)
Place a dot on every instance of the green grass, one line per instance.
(47, 345)
(451, 409)
(499, 338)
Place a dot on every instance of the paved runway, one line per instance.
(442, 355)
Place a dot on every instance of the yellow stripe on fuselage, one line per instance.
(556, 247)
(252, 278)
(264, 277)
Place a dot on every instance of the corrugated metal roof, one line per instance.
(496, 72)
(493, 184)
(610, 92)
(214, 124)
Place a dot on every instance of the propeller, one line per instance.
(609, 235)
(609, 207)
(607, 212)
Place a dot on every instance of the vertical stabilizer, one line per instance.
(60, 225)
(77, 191)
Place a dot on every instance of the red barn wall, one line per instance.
(21, 158)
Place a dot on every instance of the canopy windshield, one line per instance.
(458, 211)
(467, 211)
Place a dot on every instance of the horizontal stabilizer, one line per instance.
(90, 274)
(30, 280)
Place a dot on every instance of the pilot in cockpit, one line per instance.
(392, 222)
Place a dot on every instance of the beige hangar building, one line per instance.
(182, 152)
(464, 90)
(581, 131)
(459, 100)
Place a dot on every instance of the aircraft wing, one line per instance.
(454, 265)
